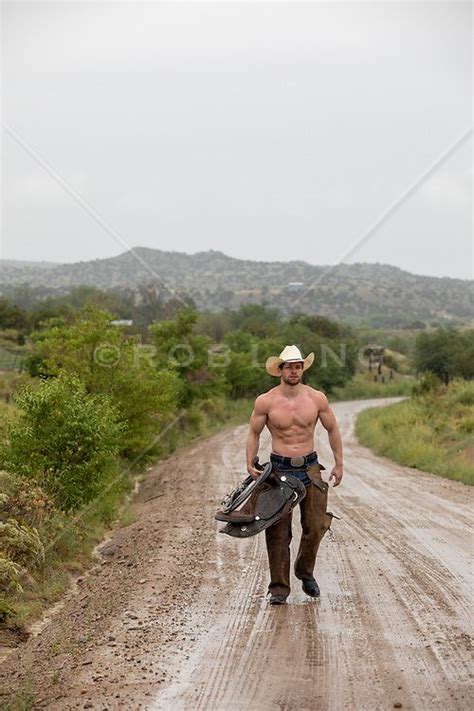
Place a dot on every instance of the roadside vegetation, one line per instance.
(434, 430)
(363, 386)
(93, 409)
(88, 403)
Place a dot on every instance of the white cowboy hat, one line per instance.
(290, 354)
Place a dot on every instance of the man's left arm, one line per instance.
(329, 422)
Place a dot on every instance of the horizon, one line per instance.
(242, 259)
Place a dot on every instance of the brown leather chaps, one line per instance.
(315, 521)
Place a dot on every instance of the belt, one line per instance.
(297, 462)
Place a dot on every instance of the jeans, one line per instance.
(298, 473)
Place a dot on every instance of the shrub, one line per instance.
(21, 544)
(65, 439)
(25, 501)
(10, 584)
(429, 383)
(9, 577)
(108, 363)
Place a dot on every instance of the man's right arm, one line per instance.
(258, 421)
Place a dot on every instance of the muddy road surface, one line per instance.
(175, 616)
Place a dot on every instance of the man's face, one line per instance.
(292, 373)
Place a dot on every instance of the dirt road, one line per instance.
(174, 616)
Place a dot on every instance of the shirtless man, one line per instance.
(290, 411)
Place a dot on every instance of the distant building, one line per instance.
(122, 322)
(375, 353)
(295, 286)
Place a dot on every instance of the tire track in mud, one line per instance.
(397, 622)
(363, 673)
(229, 637)
(419, 592)
(275, 644)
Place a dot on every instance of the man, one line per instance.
(290, 411)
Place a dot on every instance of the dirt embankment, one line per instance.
(175, 616)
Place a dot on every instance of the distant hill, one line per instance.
(358, 293)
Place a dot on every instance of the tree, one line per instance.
(107, 363)
(68, 305)
(322, 326)
(11, 317)
(185, 353)
(245, 377)
(256, 319)
(463, 355)
(445, 352)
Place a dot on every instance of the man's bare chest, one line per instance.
(285, 415)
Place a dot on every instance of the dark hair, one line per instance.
(280, 367)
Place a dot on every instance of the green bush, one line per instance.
(65, 439)
(255, 319)
(20, 549)
(97, 353)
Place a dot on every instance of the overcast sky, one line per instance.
(268, 131)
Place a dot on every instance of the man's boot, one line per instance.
(311, 587)
(277, 600)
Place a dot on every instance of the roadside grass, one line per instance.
(433, 432)
(23, 700)
(48, 588)
(363, 387)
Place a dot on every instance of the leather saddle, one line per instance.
(262, 502)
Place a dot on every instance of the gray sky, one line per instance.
(269, 131)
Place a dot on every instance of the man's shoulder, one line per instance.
(317, 395)
(264, 400)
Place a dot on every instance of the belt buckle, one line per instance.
(297, 461)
